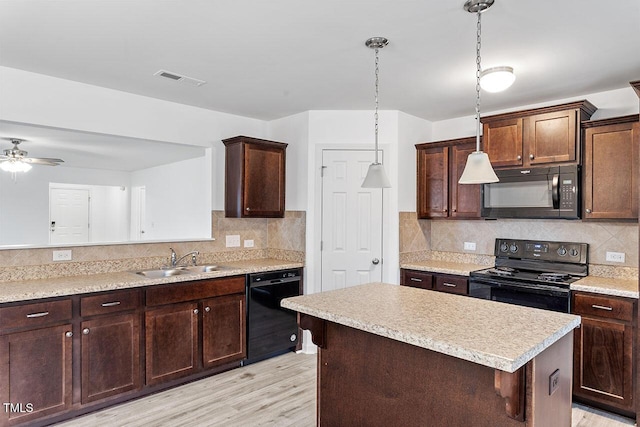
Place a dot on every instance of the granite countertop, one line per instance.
(446, 267)
(607, 286)
(25, 290)
(493, 334)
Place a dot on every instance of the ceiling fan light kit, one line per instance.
(15, 160)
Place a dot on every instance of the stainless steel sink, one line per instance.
(203, 268)
(162, 272)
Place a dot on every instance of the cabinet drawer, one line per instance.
(603, 306)
(417, 279)
(190, 291)
(35, 315)
(452, 285)
(110, 302)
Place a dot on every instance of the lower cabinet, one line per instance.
(223, 330)
(450, 283)
(604, 353)
(35, 361)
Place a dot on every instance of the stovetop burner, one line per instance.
(503, 271)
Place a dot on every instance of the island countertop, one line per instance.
(489, 333)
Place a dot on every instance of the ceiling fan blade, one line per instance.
(42, 161)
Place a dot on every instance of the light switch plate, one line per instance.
(233, 241)
(62, 255)
(469, 246)
(615, 256)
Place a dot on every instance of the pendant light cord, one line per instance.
(376, 113)
(478, 71)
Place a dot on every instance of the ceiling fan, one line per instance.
(16, 160)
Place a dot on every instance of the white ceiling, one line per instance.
(270, 59)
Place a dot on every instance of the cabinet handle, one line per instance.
(68, 334)
(531, 156)
(601, 307)
(110, 304)
(207, 309)
(449, 285)
(195, 311)
(519, 158)
(588, 210)
(33, 315)
(413, 279)
(85, 331)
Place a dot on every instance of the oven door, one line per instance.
(529, 295)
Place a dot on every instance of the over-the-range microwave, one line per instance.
(548, 192)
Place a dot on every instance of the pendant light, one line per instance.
(478, 169)
(376, 176)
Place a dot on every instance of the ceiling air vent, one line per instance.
(179, 78)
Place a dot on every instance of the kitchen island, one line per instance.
(394, 355)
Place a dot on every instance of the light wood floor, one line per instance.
(276, 392)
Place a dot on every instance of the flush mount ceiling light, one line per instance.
(478, 169)
(376, 176)
(497, 79)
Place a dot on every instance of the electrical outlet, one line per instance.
(62, 255)
(248, 243)
(469, 246)
(554, 381)
(233, 241)
(615, 256)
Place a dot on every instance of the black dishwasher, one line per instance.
(271, 329)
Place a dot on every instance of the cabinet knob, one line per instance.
(519, 157)
(196, 311)
(69, 334)
(588, 210)
(207, 309)
(531, 156)
(454, 210)
(444, 210)
(85, 331)
(247, 209)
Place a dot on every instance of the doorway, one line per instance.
(68, 215)
(351, 222)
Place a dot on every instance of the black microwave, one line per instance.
(549, 192)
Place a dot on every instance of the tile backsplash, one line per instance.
(449, 236)
(280, 238)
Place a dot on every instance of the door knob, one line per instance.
(375, 261)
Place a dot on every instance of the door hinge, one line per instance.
(322, 168)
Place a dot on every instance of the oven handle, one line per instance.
(555, 191)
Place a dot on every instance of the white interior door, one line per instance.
(351, 221)
(138, 212)
(68, 215)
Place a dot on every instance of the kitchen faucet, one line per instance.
(175, 260)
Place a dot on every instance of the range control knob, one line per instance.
(513, 248)
(562, 251)
(574, 252)
(504, 247)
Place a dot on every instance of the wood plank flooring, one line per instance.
(276, 392)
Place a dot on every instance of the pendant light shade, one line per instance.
(478, 169)
(497, 79)
(376, 175)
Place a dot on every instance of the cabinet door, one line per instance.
(550, 138)
(110, 356)
(223, 330)
(35, 374)
(433, 182)
(465, 199)
(603, 358)
(610, 171)
(502, 141)
(171, 334)
(264, 181)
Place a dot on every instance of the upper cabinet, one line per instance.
(539, 136)
(254, 178)
(440, 165)
(611, 168)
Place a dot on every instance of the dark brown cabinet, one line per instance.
(449, 283)
(110, 361)
(535, 137)
(254, 178)
(604, 353)
(439, 167)
(611, 150)
(35, 361)
(176, 346)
